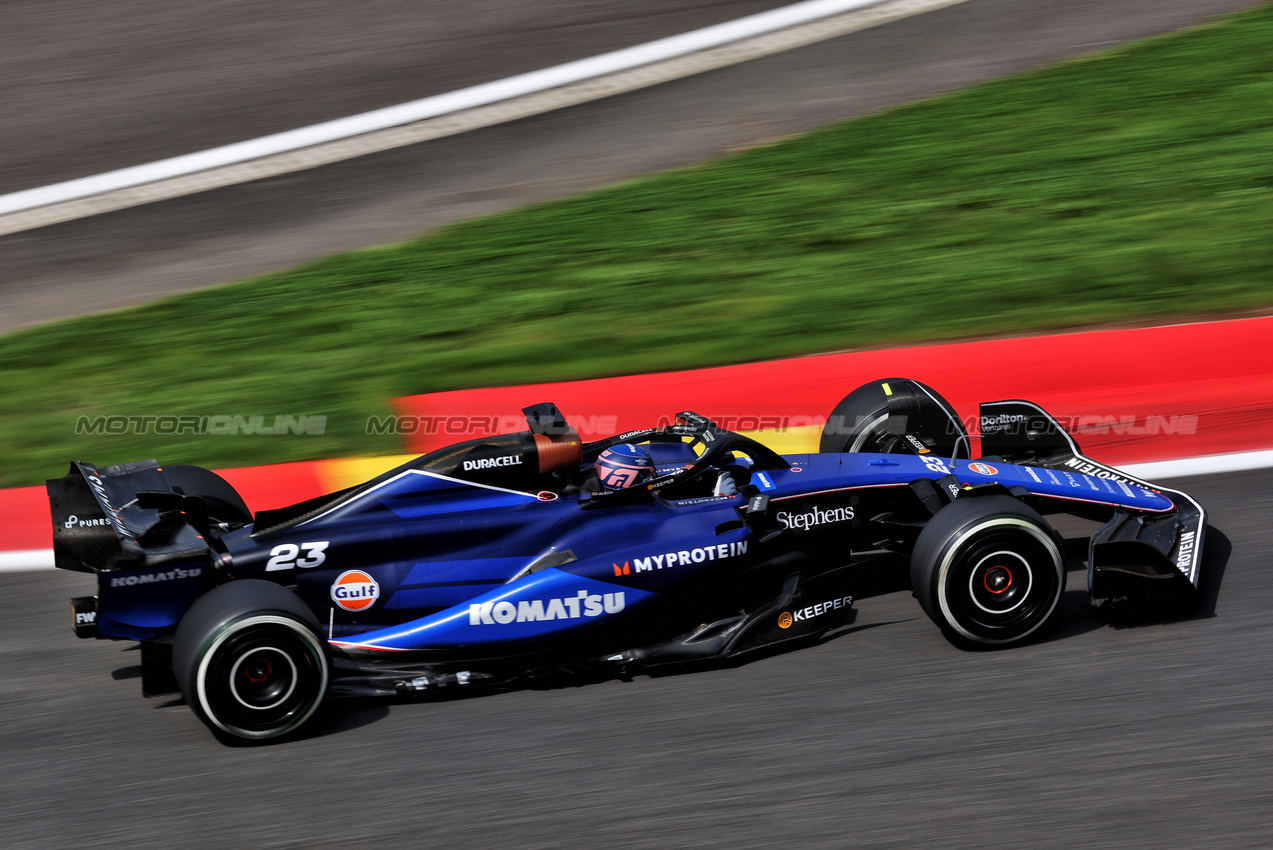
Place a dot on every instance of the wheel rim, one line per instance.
(1000, 579)
(262, 676)
(871, 439)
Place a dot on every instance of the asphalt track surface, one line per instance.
(1150, 735)
(93, 87)
(96, 87)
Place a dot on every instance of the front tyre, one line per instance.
(859, 423)
(988, 570)
(250, 661)
(893, 416)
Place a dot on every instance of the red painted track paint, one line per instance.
(1128, 395)
(277, 485)
(26, 519)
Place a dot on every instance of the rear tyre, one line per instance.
(989, 571)
(250, 660)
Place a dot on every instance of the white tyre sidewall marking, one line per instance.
(225, 634)
(948, 558)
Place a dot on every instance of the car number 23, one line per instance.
(283, 556)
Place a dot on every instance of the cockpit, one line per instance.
(551, 457)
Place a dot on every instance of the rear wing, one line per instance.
(147, 544)
(1133, 554)
(123, 517)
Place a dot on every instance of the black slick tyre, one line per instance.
(858, 423)
(893, 416)
(250, 660)
(989, 571)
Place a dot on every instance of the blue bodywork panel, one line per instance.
(450, 564)
(423, 561)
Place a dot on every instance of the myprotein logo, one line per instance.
(354, 590)
(814, 517)
(1100, 472)
(152, 578)
(75, 522)
(687, 557)
(582, 605)
(1184, 553)
(491, 462)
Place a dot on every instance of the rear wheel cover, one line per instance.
(261, 676)
(999, 579)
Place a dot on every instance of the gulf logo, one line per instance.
(354, 590)
(983, 468)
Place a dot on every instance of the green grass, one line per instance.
(1133, 184)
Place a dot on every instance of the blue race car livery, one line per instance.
(501, 560)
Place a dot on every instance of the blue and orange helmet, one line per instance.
(624, 465)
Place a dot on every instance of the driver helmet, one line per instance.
(623, 466)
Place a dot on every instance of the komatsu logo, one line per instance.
(582, 604)
(151, 578)
(685, 557)
(814, 517)
(489, 462)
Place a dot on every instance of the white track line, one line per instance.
(1211, 464)
(30, 559)
(42, 559)
(455, 112)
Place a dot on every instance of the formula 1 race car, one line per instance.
(497, 560)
